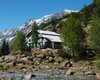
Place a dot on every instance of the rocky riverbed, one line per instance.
(45, 75)
(45, 64)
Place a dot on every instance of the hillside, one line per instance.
(84, 15)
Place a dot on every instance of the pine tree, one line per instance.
(5, 48)
(52, 22)
(85, 15)
(35, 33)
(53, 29)
(0, 53)
(43, 25)
(97, 8)
(73, 34)
(94, 33)
(19, 41)
(97, 2)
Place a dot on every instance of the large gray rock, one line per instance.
(69, 72)
(40, 56)
(23, 59)
(98, 75)
(64, 64)
(90, 73)
(9, 57)
(28, 77)
(38, 62)
(51, 59)
(1, 59)
(2, 78)
(58, 59)
(10, 64)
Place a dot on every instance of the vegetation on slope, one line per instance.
(85, 16)
(73, 32)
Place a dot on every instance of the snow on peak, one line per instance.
(69, 11)
(26, 24)
(9, 35)
(48, 18)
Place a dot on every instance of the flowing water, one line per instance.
(45, 75)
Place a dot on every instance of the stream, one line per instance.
(45, 75)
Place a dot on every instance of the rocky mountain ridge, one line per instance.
(9, 35)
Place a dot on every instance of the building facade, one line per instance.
(47, 39)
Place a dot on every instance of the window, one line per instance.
(29, 40)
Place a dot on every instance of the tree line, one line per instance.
(4, 50)
(74, 35)
(19, 41)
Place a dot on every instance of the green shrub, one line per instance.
(97, 55)
(63, 53)
(27, 53)
(97, 64)
(75, 58)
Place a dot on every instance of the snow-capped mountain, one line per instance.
(48, 18)
(9, 35)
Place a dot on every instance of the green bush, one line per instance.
(75, 58)
(27, 53)
(97, 55)
(97, 64)
(63, 53)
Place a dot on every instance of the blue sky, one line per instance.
(13, 13)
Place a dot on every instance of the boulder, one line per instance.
(10, 78)
(51, 59)
(58, 59)
(1, 65)
(69, 72)
(2, 78)
(55, 54)
(48, 52)
(46, 61)
(15, 52)
(98, 75)
(55, 63)
(23, 59)
(40, 56)
(1, 60)
(24, 70)
(90, 73)
(10, 64)
(38, 62)
(64, 64)
(28, 77)
(30, 63)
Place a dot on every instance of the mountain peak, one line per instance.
(69, 11)
(25, 27)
